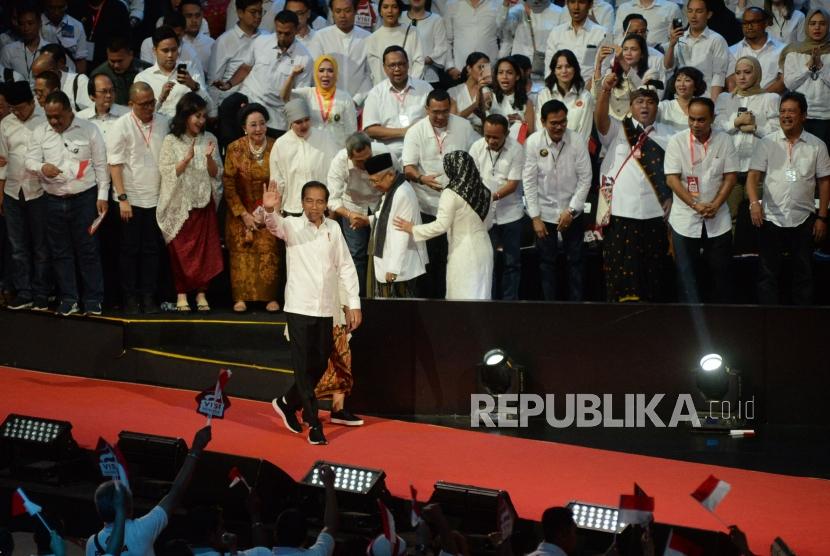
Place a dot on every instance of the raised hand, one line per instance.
(271, 198)
(210, 148)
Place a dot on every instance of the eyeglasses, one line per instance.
(394, 65)
(146, 104)
(105, 92)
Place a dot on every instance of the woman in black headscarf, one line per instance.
(464, 214)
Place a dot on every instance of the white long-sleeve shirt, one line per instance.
(523, 34)
(659, 15)
(708, 52)
(580, 109)
(231, 50)
(404, 36)
(763, 106)
(474, 29)
(797, 77)
(295, 161)
(349, 185)
(156, 78)
(768, 56)
(14, 144)
(583, 43)
(432, 32)
(402, 255)
(496, 169)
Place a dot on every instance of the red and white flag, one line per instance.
(415, 512)
(236, 477)
(388, 522)
(22, 505)
(637, 508)
(112, 462)
(681, 546)
(213, 402)
(711, 492)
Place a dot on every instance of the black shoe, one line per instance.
(131, 306)
(343, 417)
(19, 303)
(40, 305)
(150, 306)
(289, 418)
(315, 436)
(67, 308)
(93, 308)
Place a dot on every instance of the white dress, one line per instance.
(342, 119)
(470, 258)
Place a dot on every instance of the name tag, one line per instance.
(693, 185)
(68, 31)
(404, 120)
(791, 175)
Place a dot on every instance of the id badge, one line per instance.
(791, 175)
(404, 120)
(693, 185)
(538, 63)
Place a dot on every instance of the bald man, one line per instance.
(73, 84)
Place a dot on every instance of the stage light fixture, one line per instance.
(720, 386)
(596, 517)
(499, 374)
(714, 377)
(348, 478)
(34, 429)
(472, 510)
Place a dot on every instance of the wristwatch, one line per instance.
(822, 218)
(572, 212)
(122, 197)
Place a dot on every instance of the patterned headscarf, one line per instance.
(327, 94)
(466, 181)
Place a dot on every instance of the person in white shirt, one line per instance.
(170, 78)
(232, 51)
(761, 46)
(392, 33)
(500, 160)
(22, 202)
(347, 44)
(580, 35)
(270, 8)
(202, 43)
(700, 47)
(527, 28)
(474, 26)
(46, 82)
(565, 84)
(687, 83)
(20, 54)
(791, 162)
(133, 149)
(787, 22)
(397, 258)
(75, 85)
(394, 105)
(632, 68)
(103, 113)
(559, 529)
(475, 90)
(70, 158)
(299, 156)
(634, 198)
(658, 13)
(510, 99)
(602, 13)
(701, 167)
(308, 27)
(140, 534)
(187, 53)
(556, 179)
(636, 24)
(353, 197)
(432, 33)
(278, 63)
(60, 27)
(425, 145)
(172, 6)
(318, 263)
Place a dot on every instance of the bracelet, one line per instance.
(756, 202)
(419, 179)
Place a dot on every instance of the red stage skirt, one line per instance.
(195, 252)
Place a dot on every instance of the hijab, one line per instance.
(327, 94)
(466, 181)
(808, 44)
(754, 88)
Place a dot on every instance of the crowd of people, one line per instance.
(636, 125)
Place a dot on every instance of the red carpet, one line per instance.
(536, 474)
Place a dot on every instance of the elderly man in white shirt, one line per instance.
(556, 179)
(59, 27)
(424, 147)
(701, 167)
(353, 197)
(760, 45)
(791, 162)
(301, 155)
(22, 201)
(103, 113)
(319, 265)
(133, 147)
(397, 258)
(69, 156)
(273, 59)
(580, 35)
(500, 160)
(395, 104)
(527, 29)
(169, 77)
(474, 26)
(75, 85)
(347, 44)
(660, 14)
(202, 43)
(231, 51)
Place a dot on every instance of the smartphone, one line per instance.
(615, 66)
(676, 23)
(182, 68)
(742, 109)
(487, 73)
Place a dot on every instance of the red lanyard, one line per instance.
(96, 18)
(324, 114)
(401, 97)
(141, 131)
(440, 141)
(692, 147)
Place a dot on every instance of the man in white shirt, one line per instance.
(699, 47)
(301, 155)
(395, 104)
(353, 197)
(658, 13)
(319, 265)
(75, 85)
(228, 68)
(103, 112)
(187, 53)
(191, 10)
(270, 8)
(20, 55)
(791, 162)
(580, 35)
(170, 78)
(70, 158)
(556, 180)
(424, 147)
(397, 258)
(141, 533)
(347, 44)
(559, 533)
(634, 197)
(273, 59)
(526, 31)
(760, 45)
(133, 149)
(22, 201)
(307, 28)
(500, 160)
(45, 83)
(60, 27)
(474, 26)
(701, 167)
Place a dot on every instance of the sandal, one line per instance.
(183, 307)
(203, 307)
(272, 307)
(240, 307)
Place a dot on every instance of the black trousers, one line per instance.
(140, 253)
(775, 241)
(311, 342)
(699, 256)
(433, 284)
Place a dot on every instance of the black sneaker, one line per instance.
(67, 308)
(315, 436)
(40, 305)
(289, 418)
(19, 303)
(343, 417)
(131, 306)
(93, 308)
(150, 306)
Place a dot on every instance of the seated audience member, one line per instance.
(559, 532)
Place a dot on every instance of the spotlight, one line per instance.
(349, 478)
(474, 511)
(38, 449)
(713, 377)
(499, 374)
(596, 518)
(720, 387)
(35, 430)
